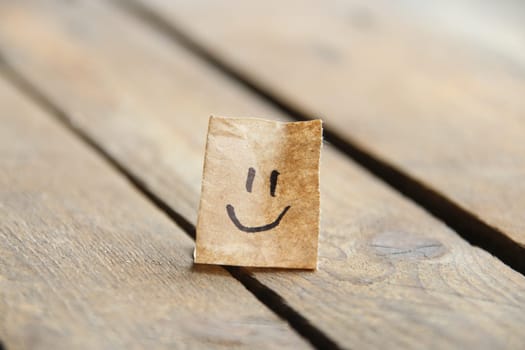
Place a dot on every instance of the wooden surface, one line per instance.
(436, 89)
(389, 274)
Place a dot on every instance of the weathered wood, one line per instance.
(87, 263)
(389, 274)
(435, 89)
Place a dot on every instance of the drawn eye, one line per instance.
(249, 179)
(273, 182)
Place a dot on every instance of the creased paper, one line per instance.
(260, 194)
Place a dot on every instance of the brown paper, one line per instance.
(260, 194)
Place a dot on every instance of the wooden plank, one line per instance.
(389, 275)
(434, 89)
(87, 263)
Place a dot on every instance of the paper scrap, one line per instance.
(260, 194)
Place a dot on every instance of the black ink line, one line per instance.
(249, 179)
(466, 224)
(273, 182)
(233, 217)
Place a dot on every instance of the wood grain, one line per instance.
(436, 89)
(87, 263)
(389, 274)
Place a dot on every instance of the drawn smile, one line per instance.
(231, 213)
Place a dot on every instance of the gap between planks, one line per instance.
(466, 224)
(264, 294)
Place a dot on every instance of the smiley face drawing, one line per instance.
(249, 183)
(260, 194)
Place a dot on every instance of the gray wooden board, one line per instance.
(434, 88)
(87, 263)
(389, 274)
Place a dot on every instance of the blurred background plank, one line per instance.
(433, 88)
(386, 267)
(87, 263)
